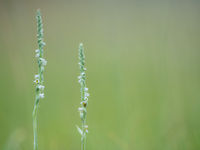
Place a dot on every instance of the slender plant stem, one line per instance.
(35, 110)
(83, 138)
(39, 79)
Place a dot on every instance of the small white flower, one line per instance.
(37, 81)
(84, 103)
(79, 77)
(41, 95)
(37, 55)
(86, 89)
(83, 73)
(41, 87)
(43, 61)
(80, 109)
(86, 128)
(87, 94)
(37, 50)
(84, 69)
(37, 76)
(43, 43)
(80, 80)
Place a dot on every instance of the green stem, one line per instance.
(35, 111)
(83, 138)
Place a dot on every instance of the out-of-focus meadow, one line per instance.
(143, 69)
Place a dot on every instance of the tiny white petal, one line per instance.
(41, 87)
(86, 89)
(87, 94)
(37, 55)
(86, 130)
(37, 76)
(79, 130)
(41, 95)
(37, 50)
(43, 43)
(43, 61)
(84, 102)
(80, 109)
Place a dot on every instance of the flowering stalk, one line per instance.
(84, 98)
(39, 79)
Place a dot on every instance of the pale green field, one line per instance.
(143, 69)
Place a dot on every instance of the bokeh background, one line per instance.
(143, 71)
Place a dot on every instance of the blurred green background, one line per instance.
(142, 59)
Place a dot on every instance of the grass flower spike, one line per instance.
(84, 98)
(39, 78)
